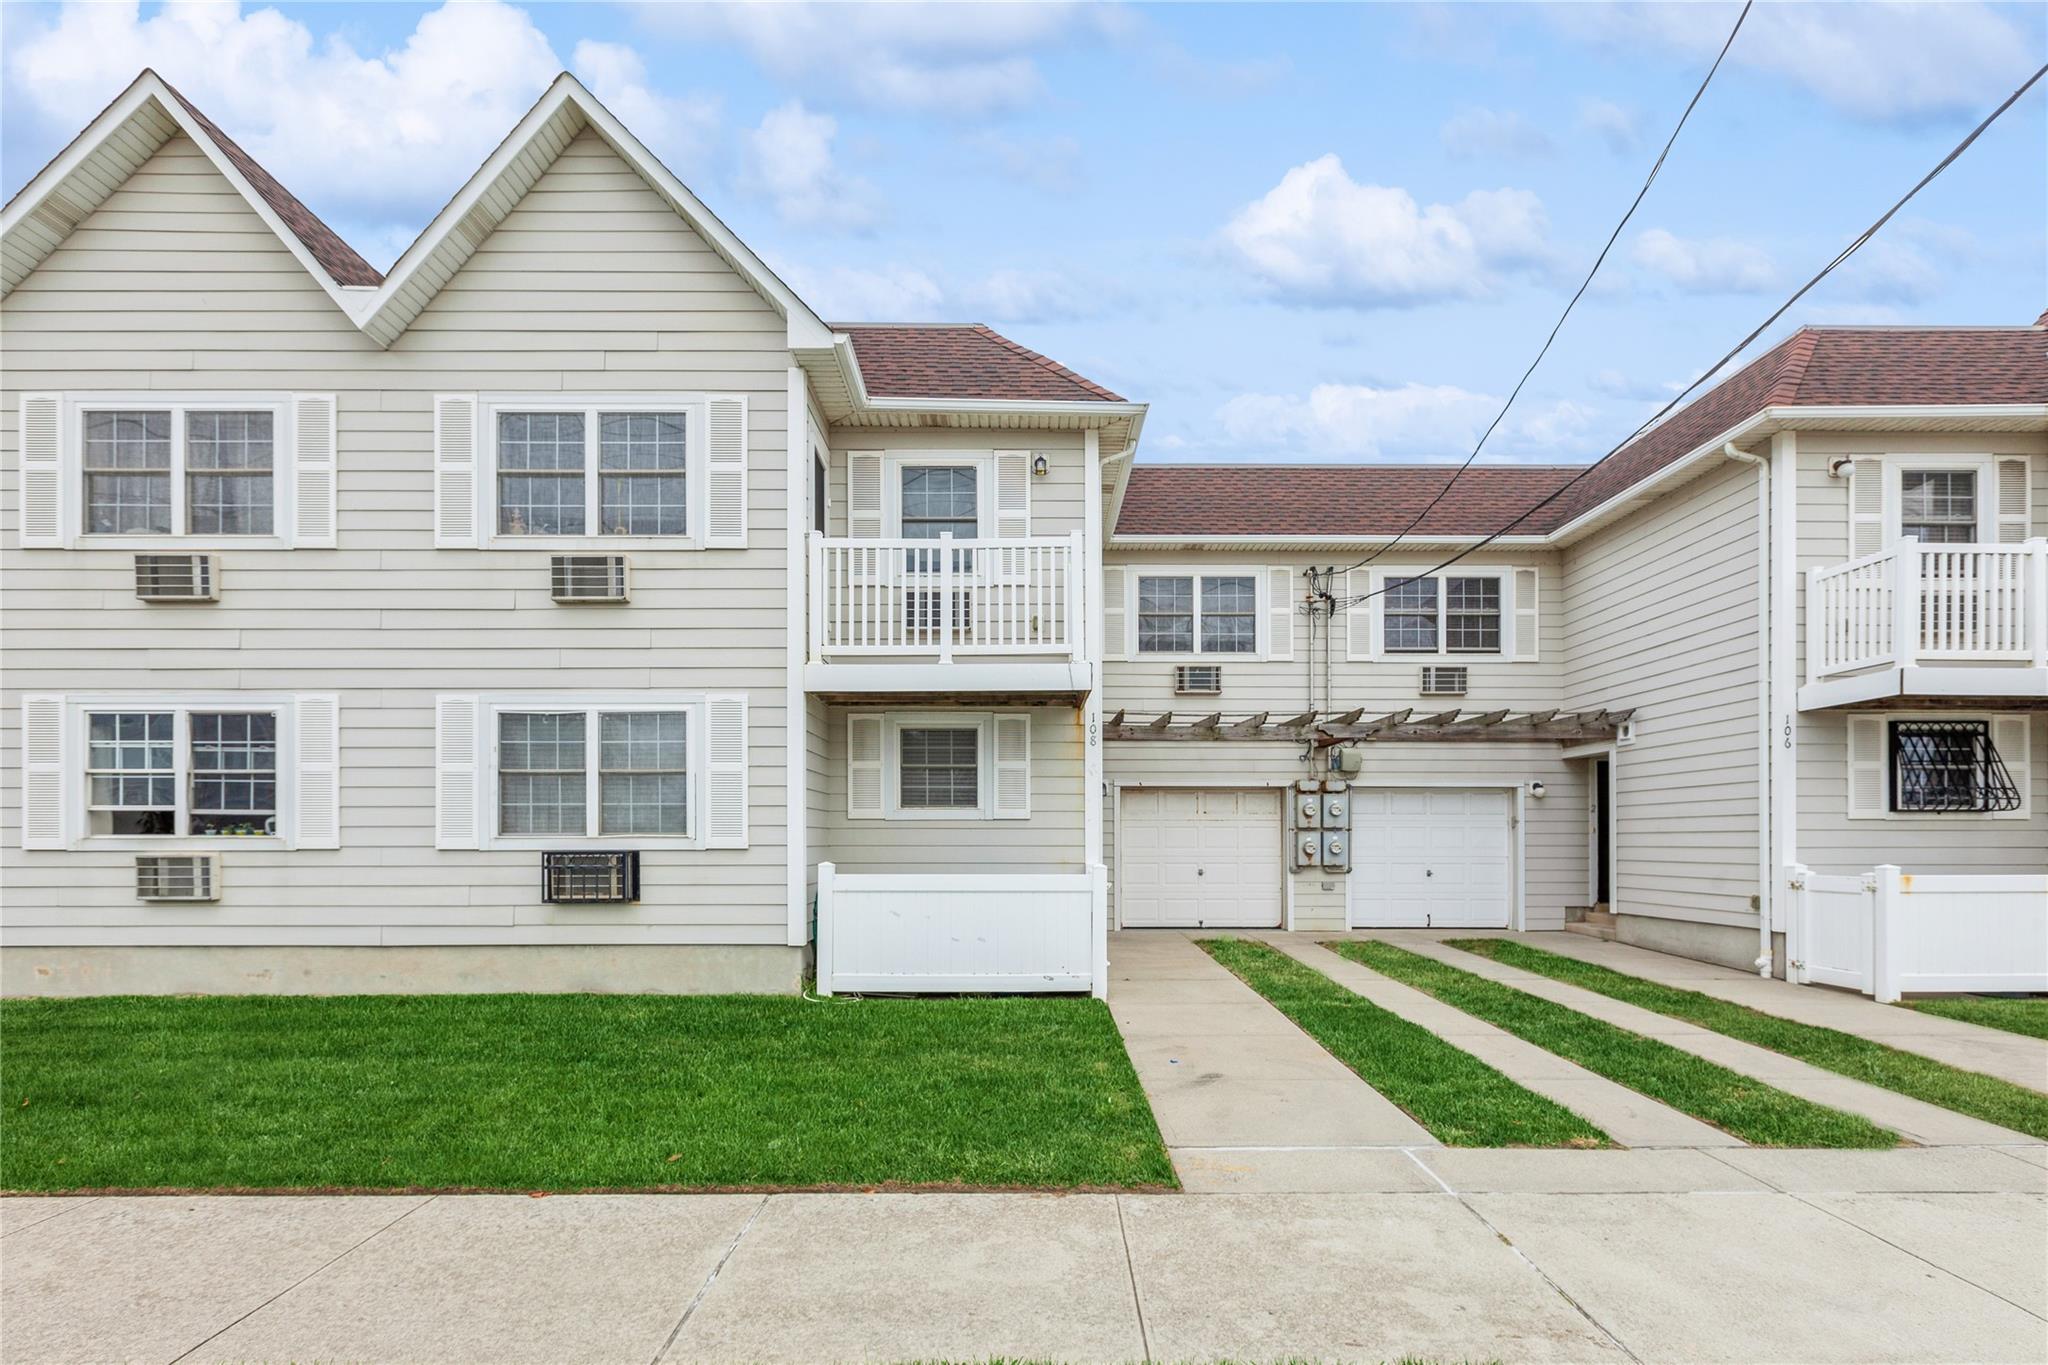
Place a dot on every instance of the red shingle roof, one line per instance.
(1814, 367)
(335, 256)
(961, 360)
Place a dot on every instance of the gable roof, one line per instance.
(1849, 369)
(961, 360)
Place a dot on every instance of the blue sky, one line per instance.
(1299, 232)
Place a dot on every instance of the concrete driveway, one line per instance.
(1674, 1255)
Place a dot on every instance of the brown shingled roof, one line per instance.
(1814, 367)
(961, 360)
(335, 256)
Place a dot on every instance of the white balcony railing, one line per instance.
(945, 597)
(1914, 603)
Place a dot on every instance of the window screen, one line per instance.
(1166, 615)
(642, 458)
(127, 462)
(540, 473)
(1472, 615)
(541, 786)
(228, 468)
(643, 786)
(1230, 623)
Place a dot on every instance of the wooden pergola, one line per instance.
(1326, 729)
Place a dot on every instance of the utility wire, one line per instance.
(1846, 252)
(1584, 285)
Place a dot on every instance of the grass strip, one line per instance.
(1752, 1110)
(569, 1092)
(1909, 1073)
(2028, 1016)
(1461, 1100)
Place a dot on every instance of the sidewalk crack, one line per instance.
(1131, 1269)
(690, 1309)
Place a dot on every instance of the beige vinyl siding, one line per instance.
(1554, 836)
(1055, 499)
(1049, 841)
(591, 285)
(1143, 683)
(1661, 615)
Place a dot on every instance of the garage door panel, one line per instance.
(1200, 858)
(1431, 857)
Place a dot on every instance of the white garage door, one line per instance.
(1199, 859)
(1423, 858)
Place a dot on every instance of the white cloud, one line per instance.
(1710, 265)
(391, 132)
(1492, 133)
(892, 293)
(957, 59)
(1616, 125)
(1408, 422)
(679, 129)
(904, 293)
(1906, 265)
(1320, 237)
(1032, 296)
(1885, 62)
(788, 161)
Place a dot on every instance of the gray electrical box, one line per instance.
(1336, 850)
(1320, 818)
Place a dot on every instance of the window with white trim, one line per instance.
(169, 771)
(1948, 766)
(178, 469)
(1198, 613)
(594, 772)
(1938, 506)
(1441, 614)
(938, 765)
(615, 469)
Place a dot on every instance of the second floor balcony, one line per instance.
(991, 614)
(1929, 621)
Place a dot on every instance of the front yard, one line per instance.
(569, 1092)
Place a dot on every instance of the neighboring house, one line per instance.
(572, 608)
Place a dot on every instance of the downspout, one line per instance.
(1764, 879)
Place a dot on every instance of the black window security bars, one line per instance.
(1949, 766)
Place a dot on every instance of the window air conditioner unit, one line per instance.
(178, 877)
(1443, 680)
(589, 578)
(1197, 680)
(589, 878)
(176, 578)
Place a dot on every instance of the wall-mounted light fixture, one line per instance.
(1537, 790)
(1841, 467)
(1039, 467)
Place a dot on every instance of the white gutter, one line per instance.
(1764, 879)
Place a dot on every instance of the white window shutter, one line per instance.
(1116, 643)
(725, 771)
(457, 740)
(42, 789)
(1866, 507)
(2013, 522)
(864, 494)
(1012, 766)
(317, 772)
(313, 470)
(1013, 494)
(2012, 736)
(1528, 623)
(1869, 783)
(42, 471)
(456, 444)
(725, 462)
(1280, 605)
(1359, 616)
(864, 767)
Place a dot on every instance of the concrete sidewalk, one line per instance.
(1928, 1255)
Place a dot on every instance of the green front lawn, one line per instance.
(1909, 1073)
(1752, 1110)
(568, 1092)
(2025, 1014)
(1461, 1100)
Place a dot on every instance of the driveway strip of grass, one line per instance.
(1752, 1110)
(1967, 1092)
(1461, 1100)
(569, 1092)
(2027, 1015)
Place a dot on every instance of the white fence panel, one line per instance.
(1961, 933)
(1836, 915)
(941, 934)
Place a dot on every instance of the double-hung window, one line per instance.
(939, 767)
(594, 772)
(180, 771)
(605, 470)
(1938, 506)
(179, 469)
(1441, 614)
(1198, 614)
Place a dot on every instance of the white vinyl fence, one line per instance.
(1889, 933)
(941, 934)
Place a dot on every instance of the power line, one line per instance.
(1846, 252)
(1584, 284)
